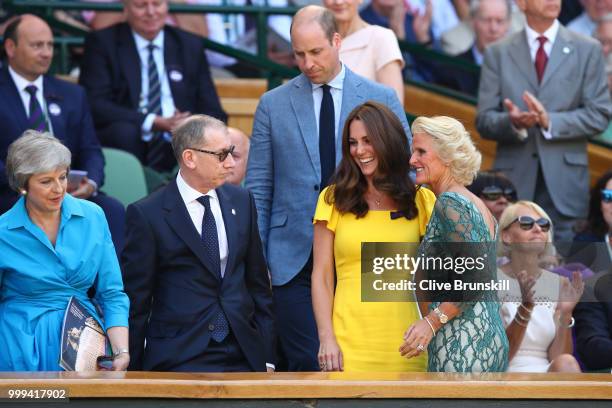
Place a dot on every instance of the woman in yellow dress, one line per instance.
(371, 198)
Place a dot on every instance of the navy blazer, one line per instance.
(175, 295)
(594, 323)
(70, 120)
(110, 73)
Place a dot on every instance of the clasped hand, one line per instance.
(416, 339)
(536, 113)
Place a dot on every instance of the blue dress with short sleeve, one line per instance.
(37, 280)
(475, 340)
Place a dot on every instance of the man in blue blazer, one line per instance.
(62, 109)
(123, 62)
(290, 162)
(193, 265)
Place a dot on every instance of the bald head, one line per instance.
(241, 154)
(29, 46)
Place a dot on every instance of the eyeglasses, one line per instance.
(493, 193)
(222, 155)
(526, 223)
(606, 196)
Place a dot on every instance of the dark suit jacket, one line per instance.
(173, 293)
(72, 124)
(110, 73)
(457, 78)
(594, 323)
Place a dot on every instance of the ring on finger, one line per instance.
(420, 347)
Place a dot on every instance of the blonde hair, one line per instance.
(510, 214)
(453, 144)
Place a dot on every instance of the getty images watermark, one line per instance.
(455, 272)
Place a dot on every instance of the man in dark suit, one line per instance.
(193, 265)
(30, 99)
(142, 78)
(491, 22)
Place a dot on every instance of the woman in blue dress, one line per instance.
(53, 247)
(461, 329)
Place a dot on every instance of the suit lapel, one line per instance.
(519, 52)
(129, 61)
(179, 220)
(55, 110)
(351, 97)
(229, 220)
(14, 99)
(562, 48)
(172, 62)
(302, 103)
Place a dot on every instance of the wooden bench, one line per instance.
(382, 389)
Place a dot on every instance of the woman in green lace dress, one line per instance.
(462, 330)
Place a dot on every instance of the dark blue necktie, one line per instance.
(219, 325)
(36, 120)
(327, 136)
(154, 100)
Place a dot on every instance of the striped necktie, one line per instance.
(154, 100)
(36, 120)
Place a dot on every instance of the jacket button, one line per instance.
(211, 327)
(316, 187)
(534, 155)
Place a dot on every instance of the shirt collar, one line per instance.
(477, 55)
(550, 34)
(142, 43)
(335, 83)
(188, 193)
(21, 82)
(20, 218)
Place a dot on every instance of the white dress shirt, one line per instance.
(336, 86)
(167, 103)
(21, 83)
(196, 212)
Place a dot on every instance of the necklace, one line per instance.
(377, 200)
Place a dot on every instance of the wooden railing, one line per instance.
(148, 385)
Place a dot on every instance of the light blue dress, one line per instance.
(37, 280)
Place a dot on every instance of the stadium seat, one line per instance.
(124, 176)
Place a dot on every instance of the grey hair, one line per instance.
(192, 133)
(34, 152)
(453, 144)
(475, 8)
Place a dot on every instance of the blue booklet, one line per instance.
(83, 339)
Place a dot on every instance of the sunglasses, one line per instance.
(526, 223)
(222, 155)
(606, 196)
(105, 362)
(493, 193)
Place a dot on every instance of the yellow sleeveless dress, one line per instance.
(370, 333)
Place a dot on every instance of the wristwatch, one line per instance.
(120, 351)
(441, 316)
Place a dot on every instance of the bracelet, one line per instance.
(525, 307)
(517, 321)
(523, 318)
(571, 323)
(430, 325)
(120, 351)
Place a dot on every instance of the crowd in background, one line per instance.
(267, 277)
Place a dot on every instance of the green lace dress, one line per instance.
(475, 340)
